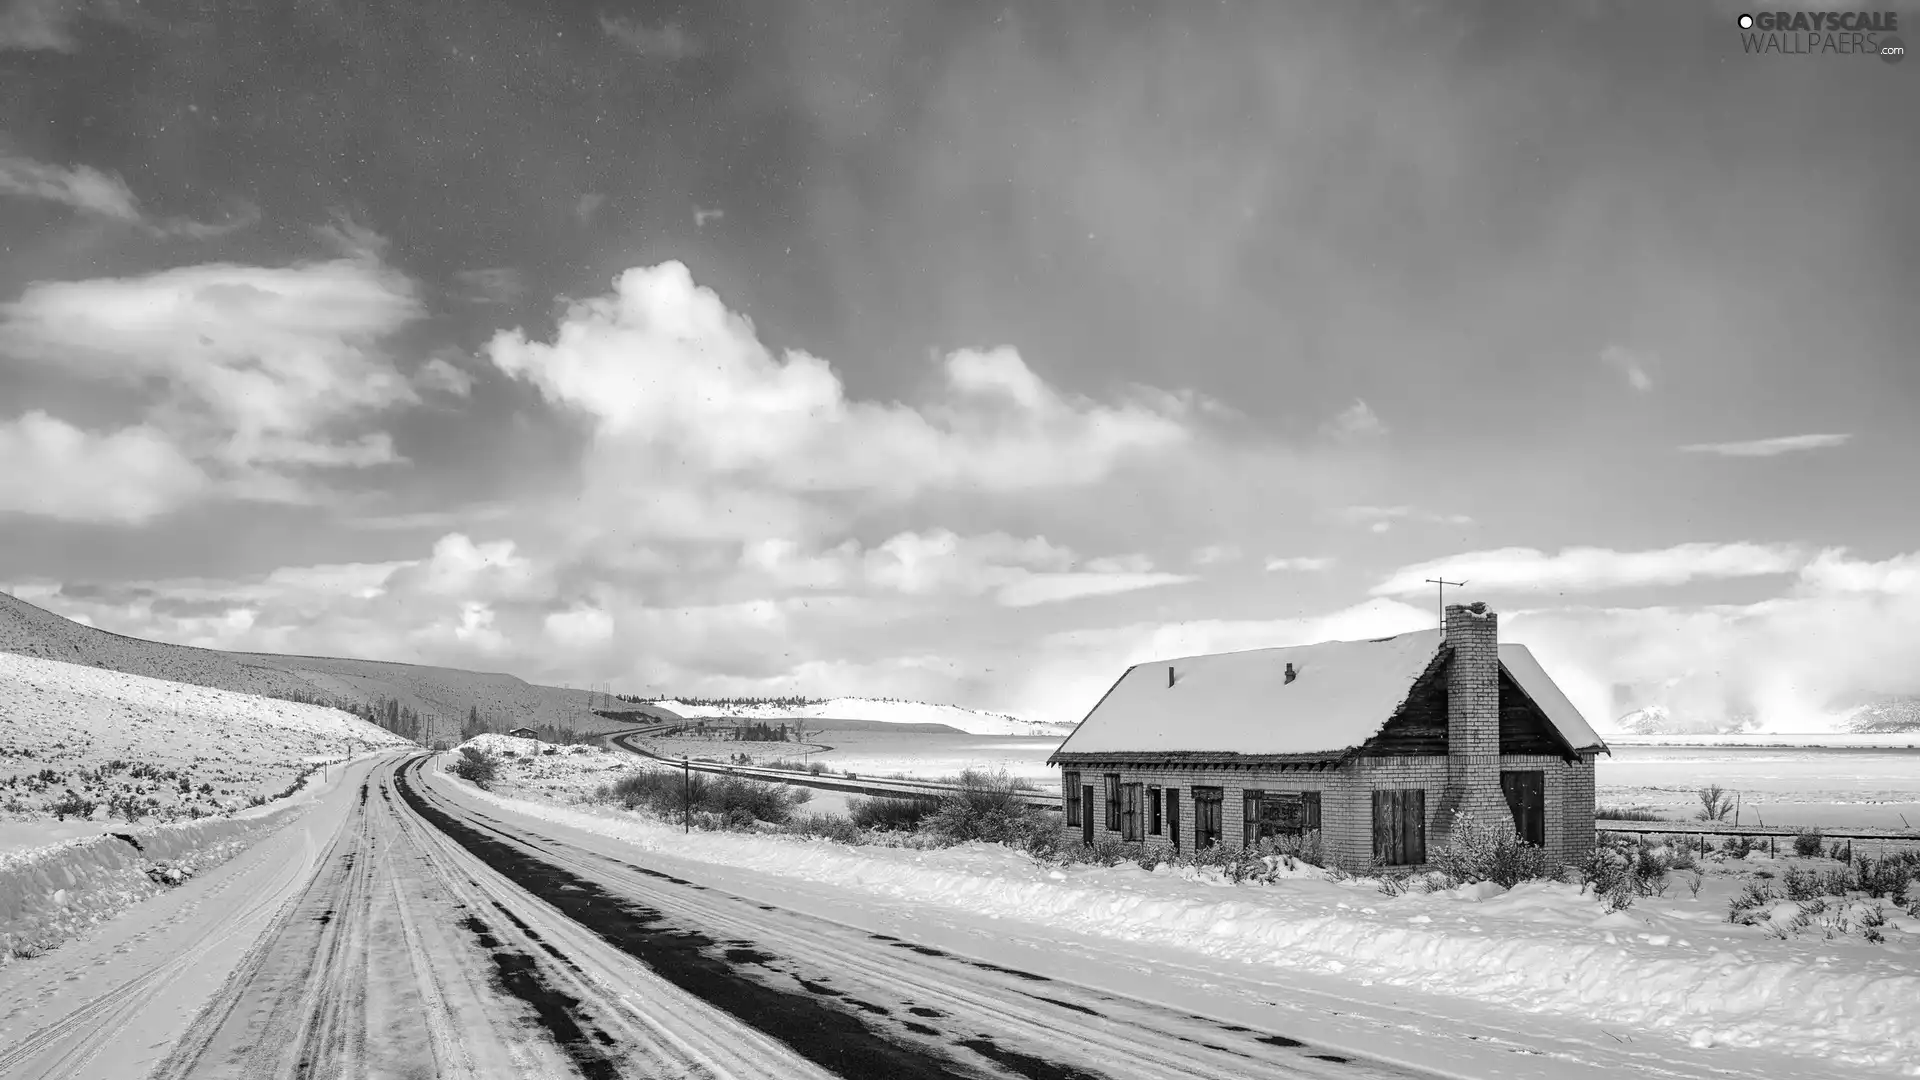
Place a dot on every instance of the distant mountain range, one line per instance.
(1882, 716)
(445, 696)
(1897, 714)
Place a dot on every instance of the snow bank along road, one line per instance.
(435, 937)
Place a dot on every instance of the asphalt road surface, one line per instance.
(435, 938)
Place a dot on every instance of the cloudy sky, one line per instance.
(962, 351)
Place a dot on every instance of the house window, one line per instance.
(1400, 827)
(1113, 802)
(1153, 811)
(1130, 811)
(1070, 789)
(1206, 817)
(1269, 814)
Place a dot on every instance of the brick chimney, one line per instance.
(1473, 715)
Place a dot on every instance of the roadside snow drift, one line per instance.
(52, 893)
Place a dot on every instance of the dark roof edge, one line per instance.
(1223, 757)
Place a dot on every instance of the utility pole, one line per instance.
(686, 794)
(1442, 584)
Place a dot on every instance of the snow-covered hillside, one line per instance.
(89, 742)
(971, 721)
(1660, 720)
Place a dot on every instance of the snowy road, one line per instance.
(406, 928)
(435, 938)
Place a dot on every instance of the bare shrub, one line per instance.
(1716, 803)
(477, 767)
(1480, 851)
(896, 815)
(988, 807)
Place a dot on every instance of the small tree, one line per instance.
(1715, 803)
(477, 767)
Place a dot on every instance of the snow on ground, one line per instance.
(921, 755)
(50, 893)
(1671, 965)
(1901, 740)
(1837, 788)
(97, 745)
(971, 721)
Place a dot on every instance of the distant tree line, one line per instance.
(386, 712)
(787, 702)
(427, 728)
(493, 724)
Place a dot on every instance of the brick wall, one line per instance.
(1346, 800)
(1233, 785)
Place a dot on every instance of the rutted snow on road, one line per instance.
(89, 742)
(1680, 969)
(971, 721)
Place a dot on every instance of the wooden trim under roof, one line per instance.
(1197, 758)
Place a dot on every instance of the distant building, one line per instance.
(1371, 744)
(524, 733)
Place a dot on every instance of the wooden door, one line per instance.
(1400, 827)
(1206, 817)
(1086, 815)
(1527, 797)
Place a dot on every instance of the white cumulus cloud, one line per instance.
(1594, 569)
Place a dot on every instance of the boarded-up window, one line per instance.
(1400, 826)
(1206, 817)
(1131, 816)
(1270, 814)
(1113, 802)
(1153, 811)
(1070, 789)
(1527, 798)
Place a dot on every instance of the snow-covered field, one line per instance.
(1670, 967)
(98, 746)
(971, 721)
(886, 753)
(1834, 787)
(1896, 740)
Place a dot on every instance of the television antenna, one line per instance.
(1441, 588)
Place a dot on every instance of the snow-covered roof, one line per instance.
(1241, 703)
(1533, 678)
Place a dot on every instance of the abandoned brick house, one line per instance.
(1371, 744)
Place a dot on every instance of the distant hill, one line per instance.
(1892, 715)
(445, 697)
(1875, 716)
(1658, 720)
(876, 710)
